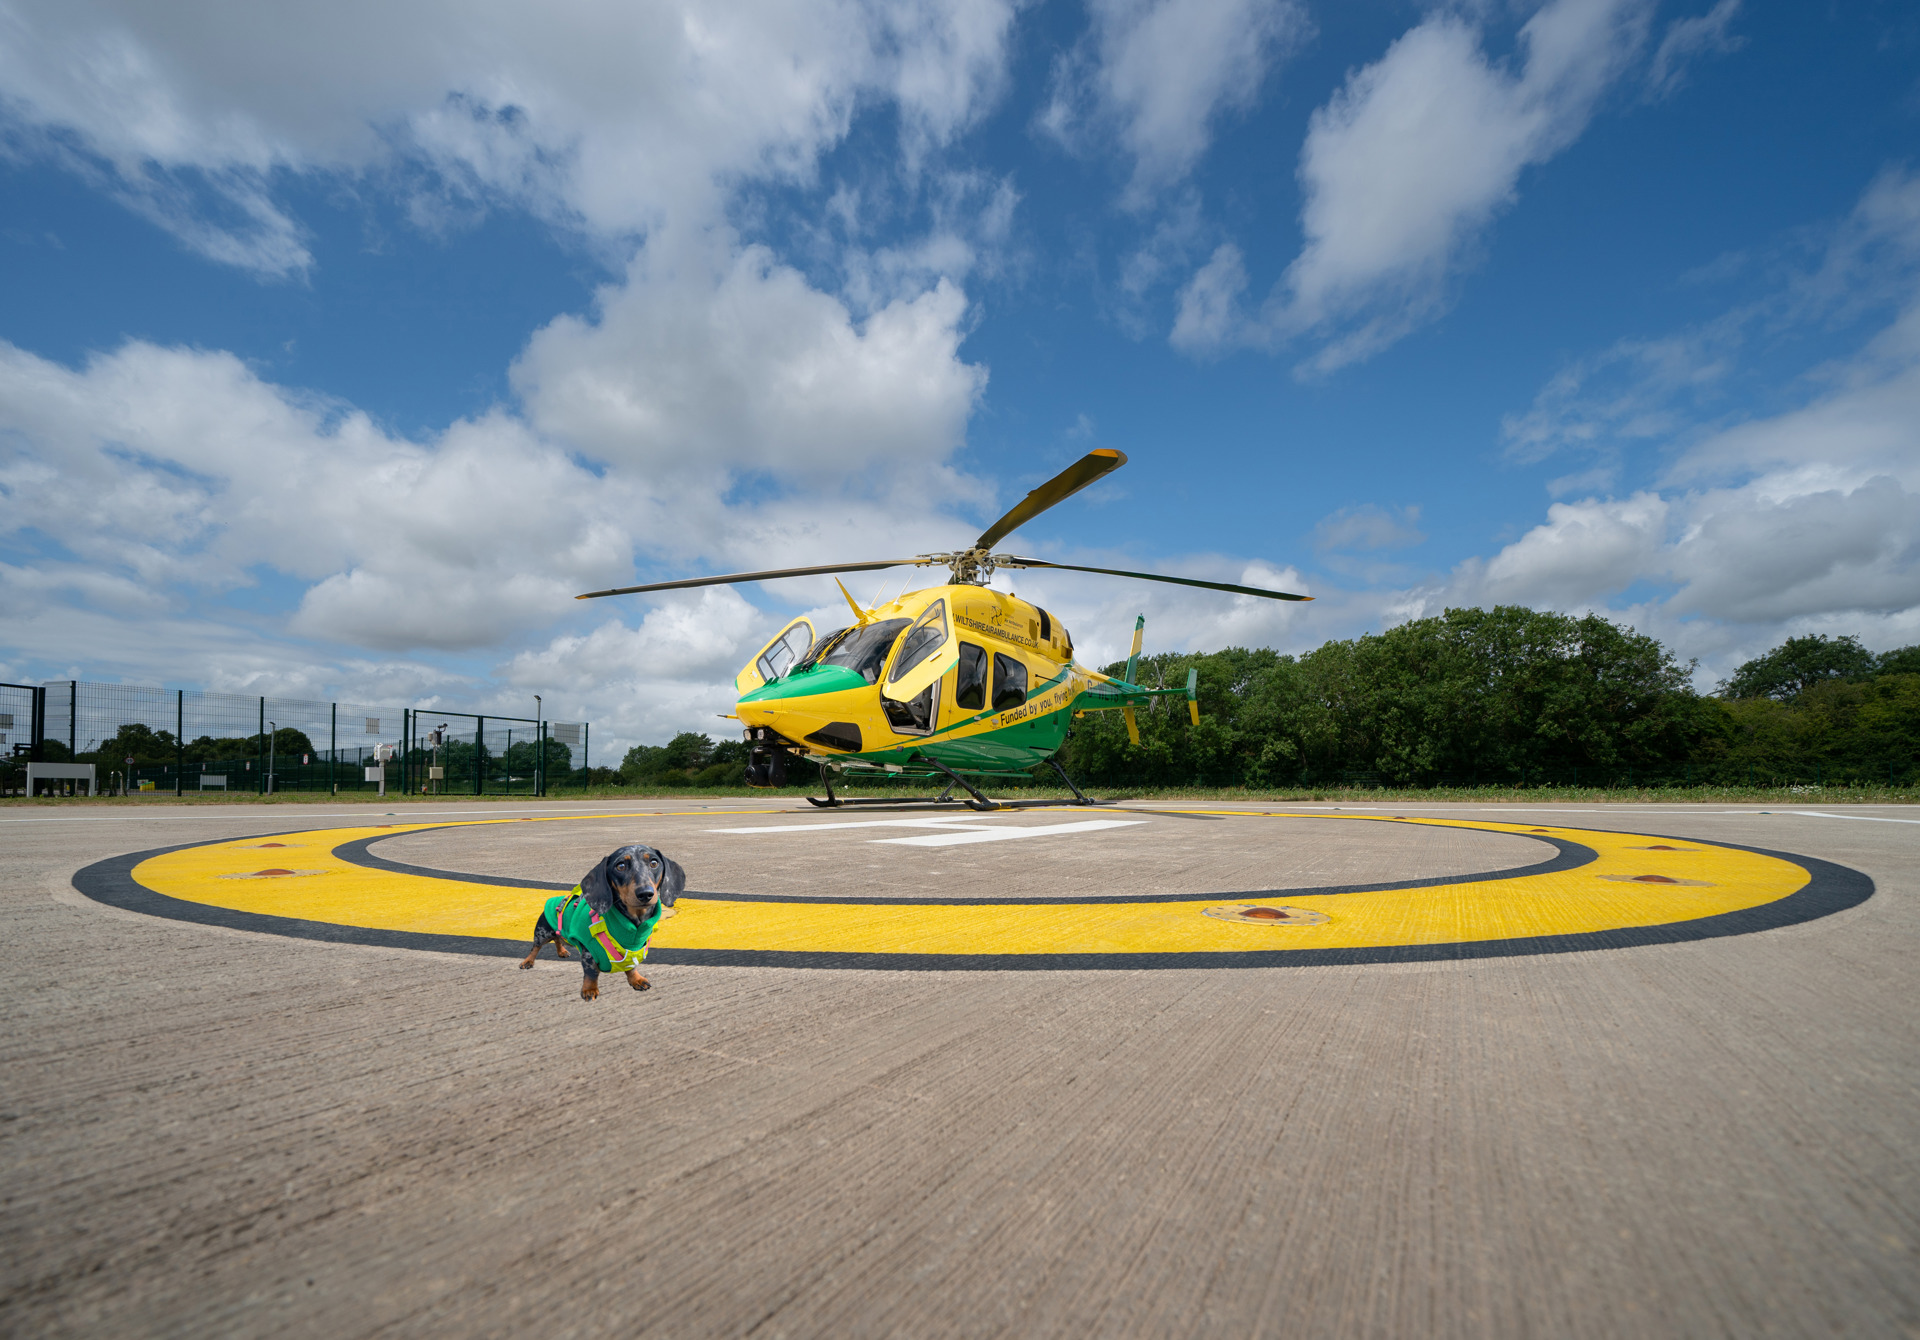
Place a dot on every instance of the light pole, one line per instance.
(540, 751)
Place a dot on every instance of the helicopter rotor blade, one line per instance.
(1062, 486)
(1011, 562)
(733, 577)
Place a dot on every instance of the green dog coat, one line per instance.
(615, 944)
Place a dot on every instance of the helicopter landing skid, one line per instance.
(979, 801)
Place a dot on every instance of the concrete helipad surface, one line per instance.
(1630, 1070)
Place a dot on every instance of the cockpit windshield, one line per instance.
(821, 648)
(862, 650)
(865, 649)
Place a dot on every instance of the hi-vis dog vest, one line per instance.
(615, 943)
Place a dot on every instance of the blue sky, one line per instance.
(341, 348)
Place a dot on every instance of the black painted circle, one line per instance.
(1830, 888)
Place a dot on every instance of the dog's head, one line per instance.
(636, 876)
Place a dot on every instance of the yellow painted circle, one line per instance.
(1633, 886)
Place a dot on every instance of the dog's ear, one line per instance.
(674, 882)
(595, 885)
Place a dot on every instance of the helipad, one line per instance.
(806, 893)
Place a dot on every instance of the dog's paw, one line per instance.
(589, 991)
(526, 963)
(638, 983)
(561, 950)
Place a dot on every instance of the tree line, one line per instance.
(688, 759)
(288, 746)
(1513, 696)
(150, 748)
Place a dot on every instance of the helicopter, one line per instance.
(949, 683)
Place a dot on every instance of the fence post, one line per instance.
(406, 745)
(179, 742)
(260, 784)
(586, 747)
(73, 719)
(479, 755)
(333, 748)
(39, 727)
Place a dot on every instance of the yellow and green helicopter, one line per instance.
(944, 684)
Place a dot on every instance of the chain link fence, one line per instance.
(151, 739)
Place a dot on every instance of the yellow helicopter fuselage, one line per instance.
(964, 677)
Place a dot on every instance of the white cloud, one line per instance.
(1584, 551)
(1805, 520)
(613, 118)
(174, 470)
(1639, 390)
(1159, 74)
(1754, 558)
(1687, 40)
(1368, 527)
(1404, 169)
(673, 672)
(1818, 518)
(178, 471)
(1209, 315)
(1644, 390)
(704, 363)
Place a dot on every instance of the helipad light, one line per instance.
(1268, 916)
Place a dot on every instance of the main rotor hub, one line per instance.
(970, 567)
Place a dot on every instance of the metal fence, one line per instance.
(178, 740)
(22, 707)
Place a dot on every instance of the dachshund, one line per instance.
(610, 915)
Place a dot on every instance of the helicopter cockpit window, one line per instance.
(1046, 625)
(864, 650)
(776, 660)
(970, 685)
(820, 649)
(916, 716)
(1009, 682)
(928, 636)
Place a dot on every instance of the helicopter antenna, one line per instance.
(860, 617)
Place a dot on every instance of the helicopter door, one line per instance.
(777, 657)
(927, 652)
